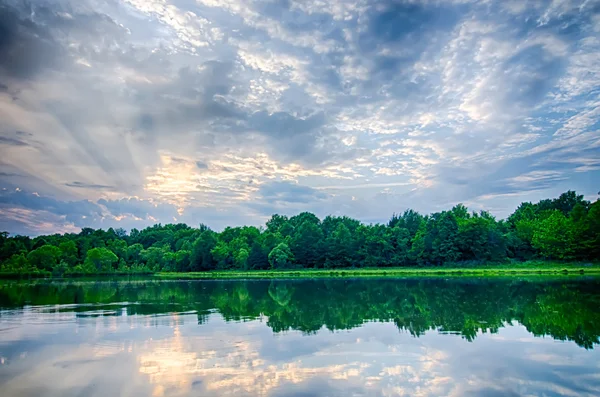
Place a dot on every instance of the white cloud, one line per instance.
(319, 93)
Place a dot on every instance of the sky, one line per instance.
(127, 113)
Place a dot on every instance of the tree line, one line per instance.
(564, 309)
(564, 228)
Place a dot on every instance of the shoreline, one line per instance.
(529, 269)
(375, 272)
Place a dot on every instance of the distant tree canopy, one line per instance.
(565, 228)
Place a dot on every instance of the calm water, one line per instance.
(412, 337)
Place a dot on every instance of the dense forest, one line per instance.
(564, 309)
(565, 228)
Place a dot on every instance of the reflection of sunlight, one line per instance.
(231, 368)
(168, 365)
(226, 365)
(420, 377)
(107, 349)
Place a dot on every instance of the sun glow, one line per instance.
(228, 180)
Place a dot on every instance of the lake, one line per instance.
(325, 337)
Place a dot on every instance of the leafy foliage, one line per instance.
(281, 257)
(565, 228)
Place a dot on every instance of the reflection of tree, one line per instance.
(564, 309)
(281, 292)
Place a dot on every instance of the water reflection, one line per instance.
(391, 337)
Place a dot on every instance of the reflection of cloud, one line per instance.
(227, 367)
(172, 355)
(168, 366)
(358, 360)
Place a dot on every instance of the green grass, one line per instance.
(461, 269)
(46, 274)
(529, 268)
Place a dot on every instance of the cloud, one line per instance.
(26, 48)
(84, 185)
(292, 364)
(139, 208)
(232, 105)
(9, 174)
(288, 192)
(11, 141)
(23, 208)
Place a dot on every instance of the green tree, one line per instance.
(134, 253)
(60, 269)
(377, 248)
(68, 251)
(480, 239)
(591, 233)
(157, 257)
(10, 246)
(567, 201)
(44, 257)
(258, 258)
(410, 220)
(168, 262)
(304, 217)
(281, 257)
(436, 240)
(460, 212)
(562, 228)
(241, 259)
(100, 260)
(445, 245)
(554, 237)
(222, 256)
(201, 258)
(399, 238)
(118, 247)
(276, 222)
(182, 260)
(17, 263)
(307, 243)
(339, 246)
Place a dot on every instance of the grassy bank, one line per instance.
(484, 271)
(466, 269)
(42, 274)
